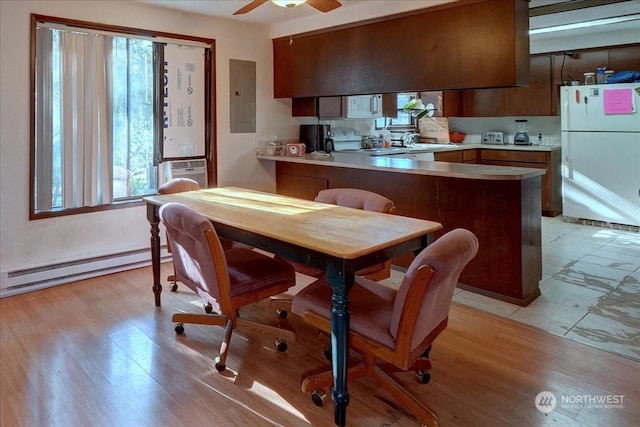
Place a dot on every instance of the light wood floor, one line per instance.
(99, 353)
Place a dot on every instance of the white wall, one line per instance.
(24, 243)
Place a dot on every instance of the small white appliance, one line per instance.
(494, 137)
(364, 107)
(600, 127)
(346, 139)
(195, 169)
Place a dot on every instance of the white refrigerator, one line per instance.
(600, 127)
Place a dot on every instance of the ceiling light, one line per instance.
(288, 3)
(585, 24)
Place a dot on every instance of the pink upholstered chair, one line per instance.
(180, 185)
(393, 329)
(228, 279)
(351, 198)
(357, 199)
(176, 185)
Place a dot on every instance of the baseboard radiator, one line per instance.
(32, 279)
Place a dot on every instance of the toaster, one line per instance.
(494, 137)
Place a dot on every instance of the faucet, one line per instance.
(409, 139)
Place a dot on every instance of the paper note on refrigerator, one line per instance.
(618, 101)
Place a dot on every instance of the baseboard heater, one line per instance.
(26, 280)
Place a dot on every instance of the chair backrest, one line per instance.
(355, 198)
(198, 257)
(178, 185)
(446, 256)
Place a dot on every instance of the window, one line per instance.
(404, 118)
(97, 131)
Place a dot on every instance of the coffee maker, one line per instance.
(316, 138)
(522, 137)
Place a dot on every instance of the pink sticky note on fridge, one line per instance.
(618, 101)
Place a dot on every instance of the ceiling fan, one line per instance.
(321, 5)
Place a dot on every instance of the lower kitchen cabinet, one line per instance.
(508, 265)
(549, 160)
(448, 156)
(457, 156)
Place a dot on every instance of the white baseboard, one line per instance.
(27, 280)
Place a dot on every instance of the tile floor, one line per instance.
(590, 288)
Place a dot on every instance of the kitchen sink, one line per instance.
(418, 148)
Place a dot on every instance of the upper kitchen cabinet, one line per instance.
(333, 107)
(537, 99)
(621, 58)
(451, 46)
(447, 103)
(567, 68)
(624, 58)
(325, 107)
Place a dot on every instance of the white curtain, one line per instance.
(86, 120)
(44, 121)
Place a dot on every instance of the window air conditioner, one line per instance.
(192, 169)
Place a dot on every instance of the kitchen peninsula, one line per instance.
(500, 204)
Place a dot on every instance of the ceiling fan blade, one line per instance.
(250, 7)
(324, 5)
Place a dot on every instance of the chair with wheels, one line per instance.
(351, 198)
(228, 279)
(180, 185)
(176, 185)
(392, 329)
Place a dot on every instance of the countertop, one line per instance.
(467, 146)
(363, 160)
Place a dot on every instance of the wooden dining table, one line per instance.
(337, 239)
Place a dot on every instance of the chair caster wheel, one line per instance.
(208, 308)
(282, 314)
(174, 287)
(281, 345)
(318, 397)
(423, 376)
(179, 329)
(220, 367)
(328, 354)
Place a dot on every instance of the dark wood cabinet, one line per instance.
(548, 72)
(448, 103)
(323, 107)
(483, 103)
(457, 156)
(535, 100)
(508, 265)
(448, 156)
(624, 58)
(567, 68)
(470, 156)
(551, 188)
(332, 107)
(383, 56)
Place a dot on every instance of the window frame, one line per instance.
(400, 127)
(210, 102)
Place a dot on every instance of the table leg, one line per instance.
(341, 279)
(154, 220)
